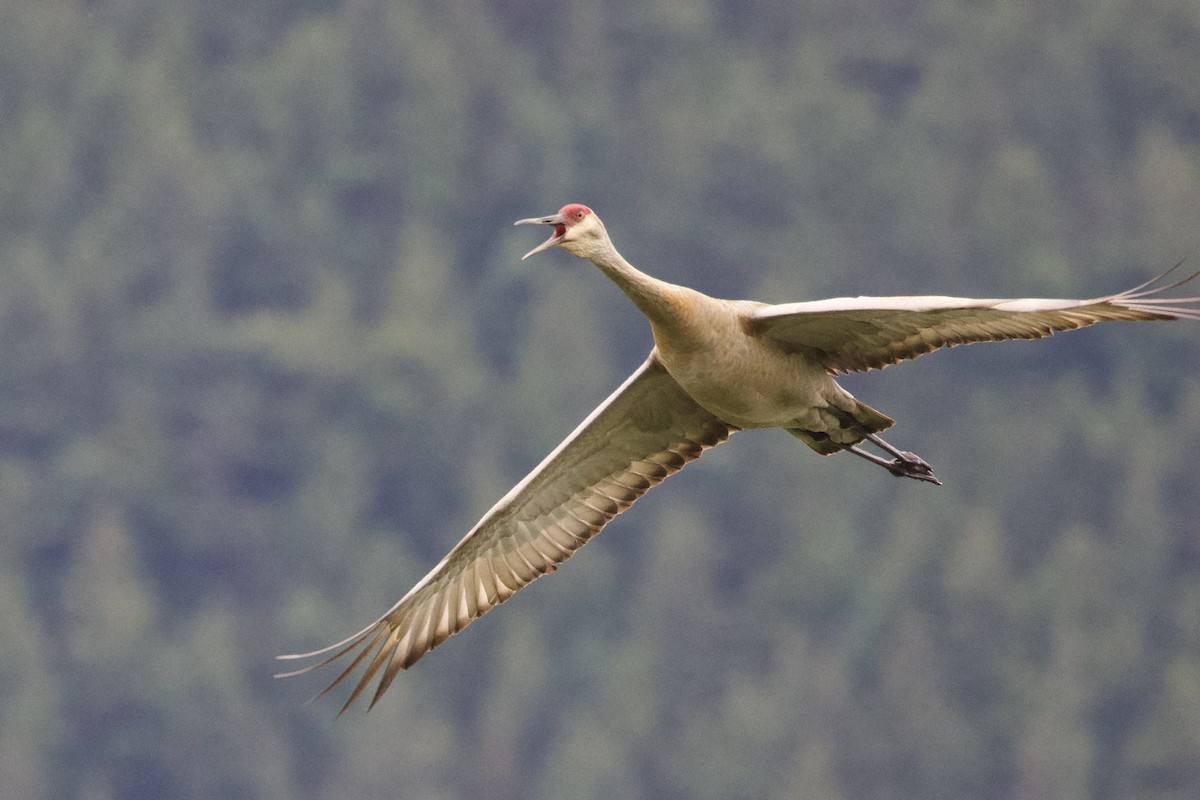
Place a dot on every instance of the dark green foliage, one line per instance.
(268, 351)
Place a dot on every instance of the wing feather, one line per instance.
(646, 430)
(853, 334)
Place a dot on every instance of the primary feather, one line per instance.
(851, 334)
(646, 430)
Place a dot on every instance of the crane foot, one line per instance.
(910, 465)
(904, 465)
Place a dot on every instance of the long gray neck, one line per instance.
(649, 294)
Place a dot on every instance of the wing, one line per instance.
(852, 334)
(646, 430)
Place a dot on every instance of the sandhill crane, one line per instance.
(717, 366)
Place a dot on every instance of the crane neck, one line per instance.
(657, 299)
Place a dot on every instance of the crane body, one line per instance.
(717, 366)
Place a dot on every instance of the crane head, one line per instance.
(573, 223)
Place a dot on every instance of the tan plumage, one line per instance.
(717, 366)
(646, 430)
(853, 334)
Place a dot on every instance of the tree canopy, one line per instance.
(269, 351)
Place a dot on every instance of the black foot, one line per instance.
(910, 465)
(904, 465)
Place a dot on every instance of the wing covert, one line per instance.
(646, 430)
(852, 334)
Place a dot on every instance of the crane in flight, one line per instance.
(717, 366)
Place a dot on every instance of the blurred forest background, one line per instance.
(269, 350)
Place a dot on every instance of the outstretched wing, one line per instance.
(646, 430)
(852, 334)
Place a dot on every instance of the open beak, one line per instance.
(560, 230)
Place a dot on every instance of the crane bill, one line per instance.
(560, 230)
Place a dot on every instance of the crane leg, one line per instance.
(904, 465)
